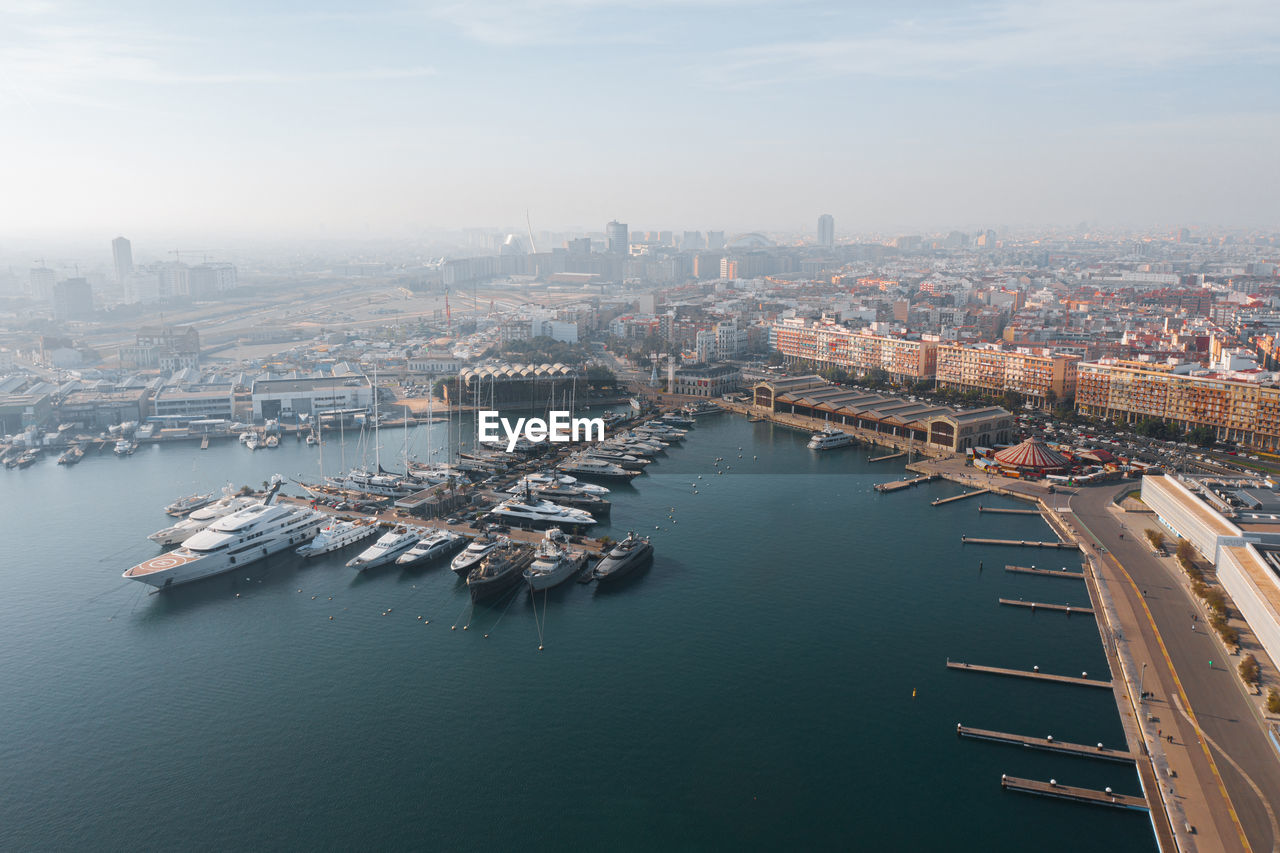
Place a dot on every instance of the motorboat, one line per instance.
(232, 542)
(71, 456)
(124, 447)
(337, 535)
(623, 558)
(254, 442)
(201, 518)
(541, 513)
(187, 505)
(390, 545)
(499, 571)
(829, 439)
(475, 552)
(434, 544)
(553, 562)
(587, 467)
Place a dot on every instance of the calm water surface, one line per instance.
(752, 690)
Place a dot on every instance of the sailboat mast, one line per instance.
(377, 446)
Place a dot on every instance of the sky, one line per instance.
(386, 119)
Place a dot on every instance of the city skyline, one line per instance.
(395, 119)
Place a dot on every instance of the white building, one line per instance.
(275, 398)
(435, 363)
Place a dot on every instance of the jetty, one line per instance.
(889, 456)
(1047, 573)
(1008, 510)
(1047, 743)
(1069, 792)
(1065, 608)
(1083, 681)
(1029, 543)
(895, 485)
(941, 501)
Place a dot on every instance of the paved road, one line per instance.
(1245, 758)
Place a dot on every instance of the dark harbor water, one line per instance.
(752, 690)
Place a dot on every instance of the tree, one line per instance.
(1012, 400)
(439, 386)
(1273, 701)
(1202, 436)
(1155, 537)
(599, 376)
(1249, 670)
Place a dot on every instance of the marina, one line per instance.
(1040, 605)
(1082, 681)
(1045, 573)
(1075, 794)
(972, 540)
(709, 573)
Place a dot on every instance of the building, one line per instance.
(517, 386)
(1243, 546)
(434, 363)
(173, 280)
(168, 348)
(288, 398)
(705, 380)
(1041, 379)
(183, 405)
(122, 254)
(6, 361)
(208, 279)
(1235, 409)
(617, 237)
(832, 345)
(72, 300)
(41, 281)
(99, 409)
(942, 427)
(18, 411)
(826, 230)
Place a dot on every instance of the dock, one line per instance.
(889, 456)
(1065, 608)
(904, 484)
(941, 501)
(1008, 510)
(1047, 743)
(1083, 681)
(1029, 543)
(1047, 573)
(1068, 792)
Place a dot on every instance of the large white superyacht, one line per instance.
(232, 542)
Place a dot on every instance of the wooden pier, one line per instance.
(889, 456)
(904, 484)
(1008, 510)
(1022, 673)
(1029, 543)
(941, 501)
(1047, 743)
(1047, 573)
(1069, 792)
(1065, 608)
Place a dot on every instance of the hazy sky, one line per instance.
(384, 118)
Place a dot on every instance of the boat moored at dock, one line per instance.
(553, 562)
(390, 545)
(499, 571)
(623, 558)
(337, 535)
(830, 438)
(432, 545)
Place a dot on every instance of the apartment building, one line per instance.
(828, 344)
(1041, 378)
(1236, 409)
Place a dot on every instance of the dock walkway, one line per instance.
(1069, 792)
(1084, 681)
(941, 501)
(1008, 510)
(1065, 608)
(1047, 573)
(889, 456)
(1047, 743)
(1029, 543)
(904, 484)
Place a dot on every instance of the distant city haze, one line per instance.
(389, 120)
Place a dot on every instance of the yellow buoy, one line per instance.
(913, 693)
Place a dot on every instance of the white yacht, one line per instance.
(537, 481)
(389, 546)
(596, 468)
(185, 505)
(200, 519)
(124, 447)
(253, 443)
(337, 535)
(541, 513)
(381, 484)
(475, 552)
(231, 542)
(553, 562)
(432, 545)
(245, 436)
(829, 439)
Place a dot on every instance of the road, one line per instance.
(1244, 758)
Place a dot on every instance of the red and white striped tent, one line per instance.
(1033, 455)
